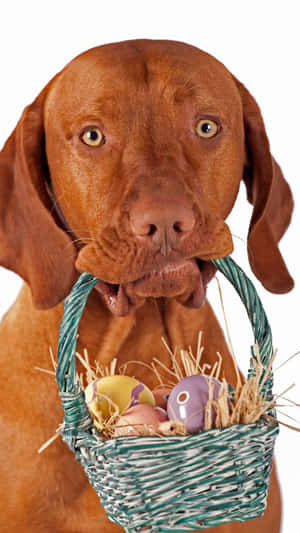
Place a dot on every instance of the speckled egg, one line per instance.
(122, 391)
(188, 399)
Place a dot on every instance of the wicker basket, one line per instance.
(179, 483)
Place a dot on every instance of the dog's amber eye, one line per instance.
(92, 137)
(207, 128)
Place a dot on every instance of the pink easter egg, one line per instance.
(162, 414)
(141, 419)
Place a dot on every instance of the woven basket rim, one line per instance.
(261, 423)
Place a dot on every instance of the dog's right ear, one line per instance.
(31, 243)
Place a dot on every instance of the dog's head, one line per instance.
(127, 166)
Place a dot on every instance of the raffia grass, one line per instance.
(243, 406)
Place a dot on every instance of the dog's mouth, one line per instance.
(185, 280)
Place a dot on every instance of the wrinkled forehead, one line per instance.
(114, 78)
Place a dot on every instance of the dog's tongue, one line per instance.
(118, 303)
(115, 298)
(196, 299)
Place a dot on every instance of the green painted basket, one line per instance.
(179, 483)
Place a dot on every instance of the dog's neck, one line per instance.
(136, 337)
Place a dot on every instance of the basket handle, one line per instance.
(258, 319)
(76, 411)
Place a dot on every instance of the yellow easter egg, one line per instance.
(114, 394)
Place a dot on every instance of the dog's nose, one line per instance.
(162, 222)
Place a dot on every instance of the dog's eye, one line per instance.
(207, 128)
(92, 137)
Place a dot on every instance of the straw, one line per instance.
(246, 406)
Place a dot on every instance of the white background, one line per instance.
(259, 42)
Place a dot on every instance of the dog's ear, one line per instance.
(272, 201)
(31, 243)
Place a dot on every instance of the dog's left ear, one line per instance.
(272, 201)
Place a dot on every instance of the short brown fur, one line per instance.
(146, 97)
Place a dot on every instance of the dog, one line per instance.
(126, 166)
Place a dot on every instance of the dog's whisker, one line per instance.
(84, 240)
(238, 237)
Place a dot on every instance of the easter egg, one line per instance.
(188, 399)
(141, 419)
(162, 413)
(161, 396)
(113, 394)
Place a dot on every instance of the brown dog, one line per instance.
(126, 166)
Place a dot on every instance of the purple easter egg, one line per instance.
(188, 399)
